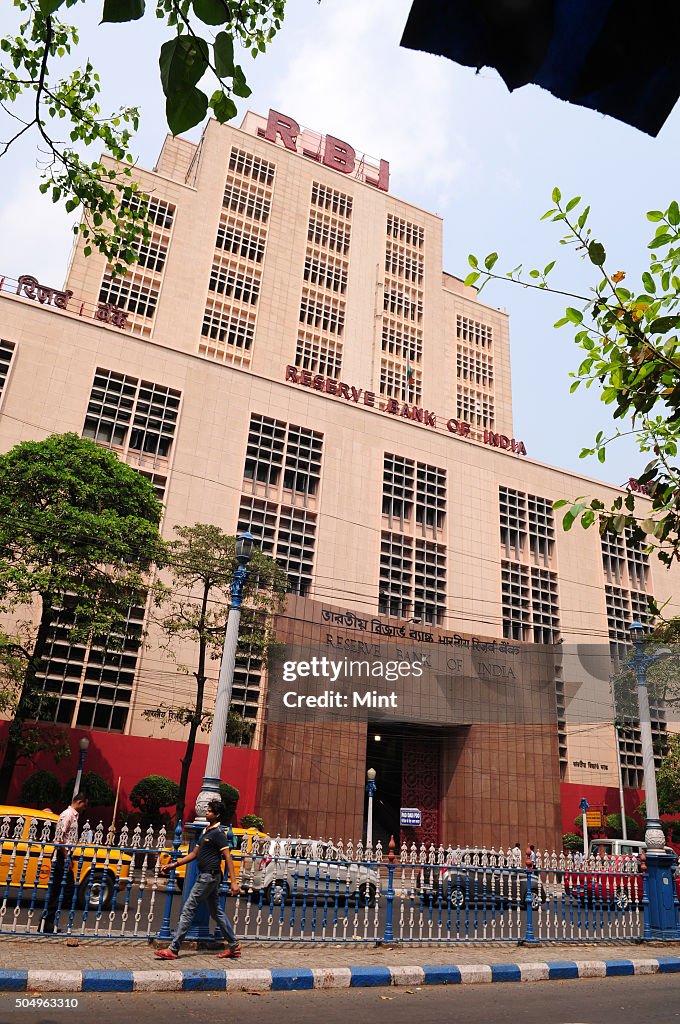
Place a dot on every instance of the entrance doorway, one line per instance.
(383, 753)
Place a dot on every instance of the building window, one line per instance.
(318, 355)
(264, 453)
(324, 314)
(132, 415)
(637, 561)
(402, 262)
(90, 685)
(229, 333)
(430, 498)
(324, 231)
(398, 491)
(250, 166)
(475, 407)
(515, 600)
(332, 201)
(474, 367)
(248, 668)
(286, 533)
(529, 594)
(396, 575)
(227, 280)
(6, 354)
(247, 199)
(135, 293)
(402, 340)
(158, 212)
(513, 522)
(302, 472)
(403, 303)
(429, 582)
(248, 243)
(325, 271)
(152, 255)
(400, 381)
(474, 332)
(405, 232)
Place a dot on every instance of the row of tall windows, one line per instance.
(230, 315)
(137, 292)
(474, 372)
(326, 268)
(402, 313)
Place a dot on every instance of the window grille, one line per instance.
(329, 199)
(474, 332)
(247, 199)
(402, 340)
(398, 491)
(404, 231)
(429, 582)
(475, 407)
(135, 293)
(260, 517)
(396, 575)
(430, 498)
(541, 529)
(618, 619)
(248, 668)
(151, 255)
(515, 601)
(6, 353)
(246, 242)
(90, 685)
(318, 355)
(474, 367)
(324, 314)
(229, 332)
(325, 272)
(402, 382)
(302, 471)
(109, 411)
(155, 419)
(638, 561)
(545, 614)
(613, 557)
(264, 453)
(158, 212)
(513, 518)
(639, 608)
(250, 166)
(158, 482)
(295, 547)
(401, 262)
(326, 232)
(228, 281)
(404, 304)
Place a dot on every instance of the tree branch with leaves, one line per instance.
(629, 337)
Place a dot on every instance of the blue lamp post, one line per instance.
(370, 789)
(83, 747)
(662, 920)
(210, 789)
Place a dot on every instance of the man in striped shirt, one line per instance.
(66, 832)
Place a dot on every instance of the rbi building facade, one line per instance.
(288, 357)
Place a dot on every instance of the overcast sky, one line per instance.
(459, 144)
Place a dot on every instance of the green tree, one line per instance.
(252, 821)
(194, 609)
(41, 95)
(615, 830)
(78, 528)
(572, 841)
(95, 788)
(151, 794)
(631, 351)
(230, 797)
(668, 778)
(41, 789)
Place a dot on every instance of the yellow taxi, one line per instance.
(26, 861)
(240, 847)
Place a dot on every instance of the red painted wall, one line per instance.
(572, 793)
(133, 757)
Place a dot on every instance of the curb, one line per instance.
(304, 978)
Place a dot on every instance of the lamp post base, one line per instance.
(661, 918)
(655, 838)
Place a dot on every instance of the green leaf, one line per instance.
(649, 282)
(574, 315)
(185, 108)
(548, 267)
(560, 503)
(223, 107)
(674, 214)
(240, 86)
(224, 55)
(655, 215)
(490, 260)
(473, 261)
(48, 7)
(664, 324)
(660, 240)
(588, 517)
(211, 12)
(556, 195)
(573, 202)
(471, 278)
(596, 253)
(183, 62)
(122, 10)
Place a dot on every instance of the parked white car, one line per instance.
(300, 870)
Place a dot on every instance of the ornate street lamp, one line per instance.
(370, 789)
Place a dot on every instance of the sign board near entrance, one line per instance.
(409, 817)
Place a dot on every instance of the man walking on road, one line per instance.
(65, 832)
(212, 847)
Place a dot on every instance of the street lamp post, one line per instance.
(370, 789)
(210, 788)
(83, 745)
(640, 661)
(661, 913)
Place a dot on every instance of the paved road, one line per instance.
(600, 1001)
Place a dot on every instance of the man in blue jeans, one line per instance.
(212, 847)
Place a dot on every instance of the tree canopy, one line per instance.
(43, 95)
(78, 530)
(629, 335)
